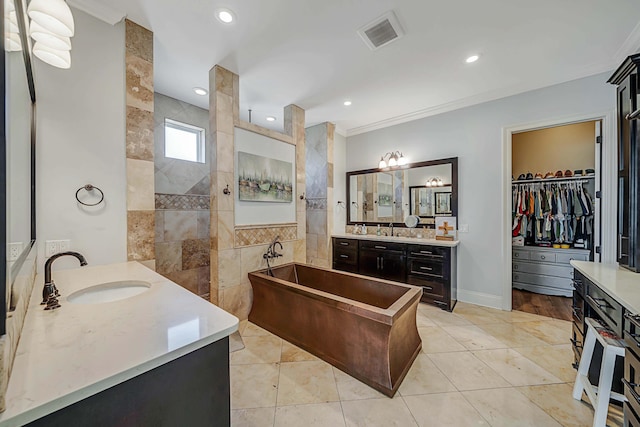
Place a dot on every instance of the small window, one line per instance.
(183, 141)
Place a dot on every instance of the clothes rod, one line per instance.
(552, 180)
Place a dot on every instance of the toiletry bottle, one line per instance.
(378, 232)
(364, 228)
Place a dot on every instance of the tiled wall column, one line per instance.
(319, 172)
(294, 126)
(140, 185)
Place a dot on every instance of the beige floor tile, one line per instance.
(565, 325)
(515, 315)
(306, 382)
(314, 415)
(556, 400)
(473, 338)
(467, 372)
(444, 318)
(511, 335)
(242, 326)
(258, 417)
(444, 409)
(350, 388)
(516, 368)
(548, 331)
(436, 340)
(235, 342)
(253, 330)
(476, 314)
(423, 378)
(424, 307)
(556, 359)
(377, 413)
(506, 407)
(292, 353)
(254, 386)
(258, 349)
(422, 321)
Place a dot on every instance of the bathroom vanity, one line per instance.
(159, 357)
(430, 264)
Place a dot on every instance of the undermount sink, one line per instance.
(109, 292)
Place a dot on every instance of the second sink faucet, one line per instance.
(391, 227)
(50, 293)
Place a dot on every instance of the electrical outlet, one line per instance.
(64, 245)
(51, 247)
(13, 251)
(463, 228)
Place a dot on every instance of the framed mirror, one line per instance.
(17, 173)
(426, 189)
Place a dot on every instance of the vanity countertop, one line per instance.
(78, 350)
(403, 239)
(623, 285)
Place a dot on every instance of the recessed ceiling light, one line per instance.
(346, 103)
(472, 58)
(200, 91)
(225, 16)
(271, 119)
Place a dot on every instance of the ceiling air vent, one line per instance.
(381, 31)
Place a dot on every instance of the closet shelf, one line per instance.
(554, 180)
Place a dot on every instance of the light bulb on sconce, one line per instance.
(393, 159)
(434, 182)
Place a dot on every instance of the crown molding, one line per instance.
(99, 10)
(630, 46)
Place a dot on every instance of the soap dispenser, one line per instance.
(378, 231)
(364, 228)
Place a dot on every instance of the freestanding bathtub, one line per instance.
(365, 327)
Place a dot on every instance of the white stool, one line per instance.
(599, 396)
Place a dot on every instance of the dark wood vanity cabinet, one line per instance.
(431, 267)
(626, 80)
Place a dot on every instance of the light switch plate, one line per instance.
(463, 228)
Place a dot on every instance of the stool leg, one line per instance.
(585, 362)
(604, 387)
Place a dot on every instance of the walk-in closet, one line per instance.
(554, 213)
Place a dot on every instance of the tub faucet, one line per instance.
(391, 227)
(50, 293)
(271, 253)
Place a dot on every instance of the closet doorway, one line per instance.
(555, 213)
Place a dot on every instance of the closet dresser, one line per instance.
(430, 264)
(545, 270)
(611, 294)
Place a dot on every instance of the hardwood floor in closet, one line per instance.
(544, 305)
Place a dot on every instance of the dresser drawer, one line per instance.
(345, 244)
(382, 246)
(426, 267)
(606, 307)
(567, 258)
(517, 254)
(542, 256)
(429, 252)
(536, 279)
(345, 256)
(545, 269)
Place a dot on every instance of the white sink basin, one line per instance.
(108, 292)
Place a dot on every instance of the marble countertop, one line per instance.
(403, 239)
(78, 350)
(621, 284)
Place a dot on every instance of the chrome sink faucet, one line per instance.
(50, 293)
(391, 227)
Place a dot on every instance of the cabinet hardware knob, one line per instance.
(542, 257)
(380, 247)
(517, 255)
(515, 267)
(344, 256)
(426, 268)
(344, 243)
(429, 288)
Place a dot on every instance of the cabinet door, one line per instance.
(393, 266)
(626, 130)
(369, 263)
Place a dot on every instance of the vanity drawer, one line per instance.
(631, 380)
(631, 419)
(567, 258)
(383, 246)
(577, 342)
(345, 256)
(426, 267)
(579, 283)
(430, 288)
(345, 244)
(609, 310)
(520, 254)
(577, 309)
(545, 269)
(429, 252)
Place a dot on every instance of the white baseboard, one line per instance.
(480, 298)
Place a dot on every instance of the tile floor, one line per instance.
(478, 367)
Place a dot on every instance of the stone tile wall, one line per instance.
(139, 140)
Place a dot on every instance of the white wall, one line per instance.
(81, 140)
(339, 183)
(474, 135)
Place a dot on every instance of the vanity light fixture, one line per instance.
(200, 91)
(392, 160)
(55, 57)
(271, 119)
(54, 15)
(225, 16)
(472, 58)
(434, 182)
(346, 103)
(51, 28)
(47, 38)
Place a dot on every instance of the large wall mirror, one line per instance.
(18, 148)
(427, 189)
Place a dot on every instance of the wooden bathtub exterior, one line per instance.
(365, 327)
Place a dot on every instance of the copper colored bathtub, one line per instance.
(365, 327)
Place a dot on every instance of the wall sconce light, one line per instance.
(51, 27)
(434, 182)
(391, 160)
